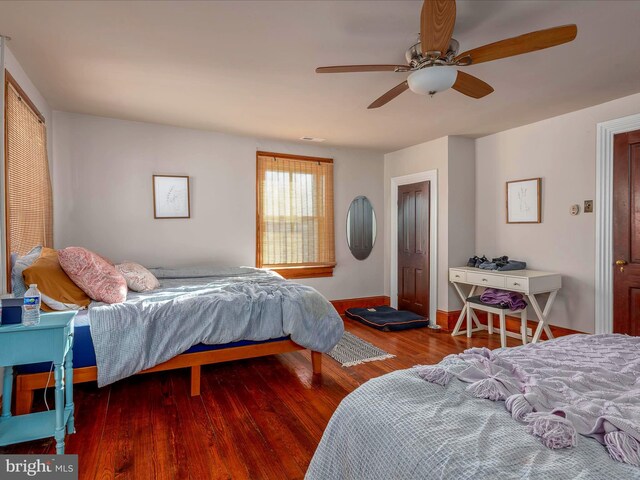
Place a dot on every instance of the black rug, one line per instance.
(386, 318)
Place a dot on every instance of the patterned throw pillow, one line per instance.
(97, 278)
(138, 278)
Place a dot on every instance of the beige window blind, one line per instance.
(28, 186)
(295, 233)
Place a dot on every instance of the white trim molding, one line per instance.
(432, 177)
(604, 217)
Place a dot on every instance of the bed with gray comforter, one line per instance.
(211, 306)
(572, 411)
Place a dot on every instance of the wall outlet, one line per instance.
(588, 206)
(529, 332)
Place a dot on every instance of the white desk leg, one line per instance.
(463, 297)
(547, 310)
(476, 320)
(542, 315)
(469, 327)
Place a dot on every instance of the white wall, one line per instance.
(461, 215)
(419, 158)
(562, 151)
(447, 155)
(103, 196)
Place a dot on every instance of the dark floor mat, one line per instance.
(386, 318)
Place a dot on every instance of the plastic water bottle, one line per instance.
(31, 306)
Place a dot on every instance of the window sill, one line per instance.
(312, 271)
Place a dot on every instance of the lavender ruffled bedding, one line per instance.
(576, 385)
(399, 426)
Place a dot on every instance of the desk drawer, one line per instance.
(485, 280)
(518, 284)
(457, 275)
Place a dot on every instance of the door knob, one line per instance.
(621, 264)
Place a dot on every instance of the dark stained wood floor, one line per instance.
(255, 419)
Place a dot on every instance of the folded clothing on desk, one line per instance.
(513, 265)
(503, 298)
(501, 264)
(476, 261)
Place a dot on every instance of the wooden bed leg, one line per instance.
(195, 380)
(316, 362)
(24, 401)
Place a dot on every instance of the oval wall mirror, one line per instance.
(361, 227)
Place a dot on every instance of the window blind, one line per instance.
(28, 186)
(294, 211)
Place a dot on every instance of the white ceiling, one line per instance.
(248, 67)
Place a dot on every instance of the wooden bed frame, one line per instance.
(27, 383)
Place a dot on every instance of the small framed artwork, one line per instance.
(523, 201)
(171, 196)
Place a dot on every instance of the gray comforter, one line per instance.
(400, 426)
(211, 306)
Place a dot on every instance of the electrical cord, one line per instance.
(47, 386)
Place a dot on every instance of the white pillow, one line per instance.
(138, 278)
(22, 263)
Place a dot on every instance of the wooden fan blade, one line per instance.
(437, 20)
(390, 95)
(362, 68)
(471, 86)
(529, 42)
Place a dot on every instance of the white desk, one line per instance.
(528, 282)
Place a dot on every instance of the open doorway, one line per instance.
(413, 244)
(626, 233)
(413, 247)
(605, 266)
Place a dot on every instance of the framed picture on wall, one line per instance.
(171, 196)
(523, 201)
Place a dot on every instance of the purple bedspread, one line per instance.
(578, 384)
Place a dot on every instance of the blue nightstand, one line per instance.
(51, 341)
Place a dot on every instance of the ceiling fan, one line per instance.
(431, 61)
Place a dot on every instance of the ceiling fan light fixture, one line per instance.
(431, 80)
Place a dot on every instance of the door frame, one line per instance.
(604, 217)
(432, 177)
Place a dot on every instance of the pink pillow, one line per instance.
(95, 276)
(138, 278)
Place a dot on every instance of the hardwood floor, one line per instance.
(256, 419)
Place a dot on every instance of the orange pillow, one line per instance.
(57, 289)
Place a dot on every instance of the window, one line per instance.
(29, 209)
(295, 215)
